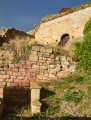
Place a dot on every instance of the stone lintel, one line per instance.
(35, 86)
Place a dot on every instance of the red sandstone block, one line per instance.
(20, 66)
(23, 62)
(4, 76)
(32, 75)
(11, 65)
(8, 84)
(25, 85)
(22, 70)
(23, 75)
(9, 72)
(24, 67)
(25, 81)
(14, 84)
(27, 78)
(1, 90)
(41, 61)
(52, 56)
(33, 79)
(20, 78)
(17, 81)
(31, 70)
(49, 62)
(13, 77)
(1, 95)
(15, 70)
(20, 84)
(1, 69)
(16, 65)
(15, 73)
(27, 62)
(5, 69)
(28, 74)
(1, 79)
(10, 80)
(2, 83)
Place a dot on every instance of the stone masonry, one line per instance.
(72, 24)
(42, 66)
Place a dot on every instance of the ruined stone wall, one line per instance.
(42, 66)
(72, 24)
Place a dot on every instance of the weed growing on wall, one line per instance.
(16, 57)
(60, 51)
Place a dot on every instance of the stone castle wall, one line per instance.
(72, 24)
(42, 66)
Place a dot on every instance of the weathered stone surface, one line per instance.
(63, 58)
(36, 48)
(40, 76)
(33, 52)
(35, 67)
(51, 66)
(63, 74)
(57, 58)
(11, 34)
(72, 68)
(44, 67)
(51, 75)
(33, 58)
(49, 50)
(41, 66)
(73, 24)
(42, 49)
(4, 76)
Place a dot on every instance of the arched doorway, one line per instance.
(64, 39)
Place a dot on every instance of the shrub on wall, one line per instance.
(83, 49)
(87, 27)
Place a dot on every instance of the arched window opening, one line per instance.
(64, 39)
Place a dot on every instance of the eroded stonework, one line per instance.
(72, 24)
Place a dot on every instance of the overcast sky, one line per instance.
(23, 14)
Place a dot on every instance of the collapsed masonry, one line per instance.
(7, 34)
(17, 78)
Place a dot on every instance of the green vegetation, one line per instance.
(83, 49)
(59, 51)
(70, 97)
(73, 96)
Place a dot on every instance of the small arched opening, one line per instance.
(64, 39)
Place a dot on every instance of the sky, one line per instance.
(23, 14)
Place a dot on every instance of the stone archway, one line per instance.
(64, 39)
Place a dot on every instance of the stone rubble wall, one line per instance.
(72, 24)
(42, 66)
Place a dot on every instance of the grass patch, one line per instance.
(73, 96)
